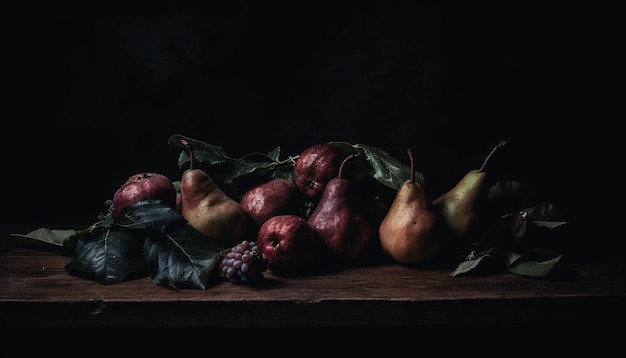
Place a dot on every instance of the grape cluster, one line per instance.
(243, 263)
(108, 204)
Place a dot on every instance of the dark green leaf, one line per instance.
(548, 224)
(108, 256)
(530, 234)
(204, 152)
(274, 155)
(533, 263)
(510, 196)
(345, 147)
(518, 225)
(259, 169)
(183, 257)
(546, 212)
(149, 214)
(385, 168)
(236, 175)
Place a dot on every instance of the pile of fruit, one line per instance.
(334, 204)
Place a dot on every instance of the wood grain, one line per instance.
(36, 291)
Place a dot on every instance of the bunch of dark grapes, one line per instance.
(243, 263)
(108, 204)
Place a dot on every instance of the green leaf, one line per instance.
(510, 196)
(546, 212)
(183, 257)
(468, 266)
(259, 169)
(149, 214)
(385, 168)
(476, 263)
(54, 237)
(108, 256)
(549, 224)
(274, 154)
(204, 152)
(63, 238)
(533, 263)
(345, 147)
(236, 175)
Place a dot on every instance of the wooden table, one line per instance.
(36, 291)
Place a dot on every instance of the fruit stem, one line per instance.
(410, 153)
(339, 175)
(501, 144)
(191, 158)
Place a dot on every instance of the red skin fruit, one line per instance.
(144, 186)
(315, 166)
(344, 230)
(276, 197)
(288, 243)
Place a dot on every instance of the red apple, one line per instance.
(144, 186)
(289, 244)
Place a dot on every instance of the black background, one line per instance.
(95, 93)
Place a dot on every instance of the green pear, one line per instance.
(412, 232)
(208, 209)
(464, 207)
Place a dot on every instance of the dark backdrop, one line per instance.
(97, 92)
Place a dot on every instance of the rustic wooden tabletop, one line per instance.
(36, 290)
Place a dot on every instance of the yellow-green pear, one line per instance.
(412, 232)
(208, 209)
(463, 207)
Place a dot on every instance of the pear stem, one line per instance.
(501, 144)
(339, 175)
(412, 177)
(191, 158)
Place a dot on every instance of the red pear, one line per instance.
(275, 197)
(337, 219)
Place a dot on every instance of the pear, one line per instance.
(275, 197)
(208, 209)
(412, 232)
(464, 207)
(345, 231)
